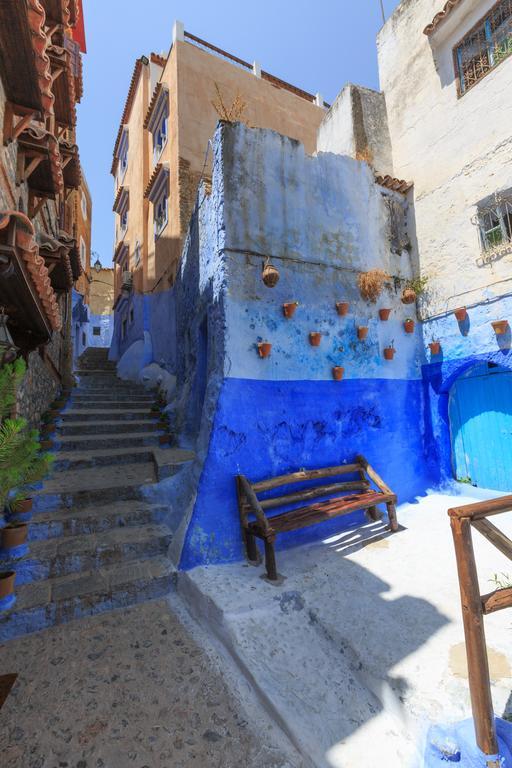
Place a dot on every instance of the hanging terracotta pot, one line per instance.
(337, 372)
(315, 337)
(13, 535)
(269, 274)
(164, 439)
(6, 583)
(408, 296)
(384, 314)
(409, 325)
(57, 405)
(289, 308)
(389, 353)
(264, 348)
(500, 327)
(48, 429)
(435, 347)
(362, 332)
(461, 313)
(342, 308)
(46, 445)
(21, 506)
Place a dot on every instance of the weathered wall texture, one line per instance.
(321, 220)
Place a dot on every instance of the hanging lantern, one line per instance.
(8, 351)
(269, 274)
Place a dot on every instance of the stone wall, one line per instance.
(37, 390)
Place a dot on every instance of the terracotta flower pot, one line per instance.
(408, 296)
(48, 429)
(264, 348)
(384, 314)
(389, 353)
(461, 313)
(53, 414)
(22, 506)
(46, 445)
(58, 404)
(270, 275)
(6, 583)
(14, 535)
(315, 337)
(289, 308)
(409, 326)
(435, 347)
(500, 327)
(362, 332)
(164, 439)
(342, 308)
(337, 372)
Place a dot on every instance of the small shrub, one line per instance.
(371, 284)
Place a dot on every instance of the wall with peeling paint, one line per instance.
(321, 220)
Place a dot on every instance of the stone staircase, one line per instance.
(95, 540)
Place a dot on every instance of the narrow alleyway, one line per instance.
(95, 543)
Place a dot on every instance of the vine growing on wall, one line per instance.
(233, 113)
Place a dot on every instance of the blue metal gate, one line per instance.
(480, 410)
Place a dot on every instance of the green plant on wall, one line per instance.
(21, 461)
(418, 284)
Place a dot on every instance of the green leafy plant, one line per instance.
(21, 461)
(501, 580)
(418, 284)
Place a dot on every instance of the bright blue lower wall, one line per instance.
(265, 428)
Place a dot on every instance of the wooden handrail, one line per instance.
(475, 606)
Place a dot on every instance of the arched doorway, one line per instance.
(480, 412)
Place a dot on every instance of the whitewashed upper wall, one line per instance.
(457, 151)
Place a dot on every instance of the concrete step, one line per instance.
(109, 414)
(95, 519)
(111, 399)
(106, 441)
(98, 478)
(71, 554)
(166, 459)
(82, 428)
(55, 601)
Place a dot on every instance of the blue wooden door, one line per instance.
(480, 409)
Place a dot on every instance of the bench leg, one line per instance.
(270, 560)
(374, 514)
(250, 547)
(393, 522)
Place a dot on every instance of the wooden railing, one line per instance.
(475, 606)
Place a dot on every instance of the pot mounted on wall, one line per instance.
(461, 313)
(289, 308)
(337, 372)
(500, 327)
(384, 314)
(389, 353)
(362, 332)
(315, 337)
(342, 308)
(409, 325)
(264, 348)
(408, 296)
(435, 347)
(269, 274)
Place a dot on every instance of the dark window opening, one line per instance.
(96, 331)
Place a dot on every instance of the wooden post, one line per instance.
(270, 560)
(393, 522)
(476, 651)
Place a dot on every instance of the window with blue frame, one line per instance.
(122, 153)
(158, 194)
(160, 213)
(485, 46)
(158, 122)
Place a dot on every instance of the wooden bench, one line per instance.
(267, 527)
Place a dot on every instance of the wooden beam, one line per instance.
(34, 207)
(379, 482)
(251, 497)
(495, 536)
(31, 167)
(476, 651)
(56, 73)
(497, 600)
(313, 493)
(22, 123)
(483, 508)
(304, 474)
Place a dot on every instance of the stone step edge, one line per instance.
(166, 461)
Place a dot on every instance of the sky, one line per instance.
(317, 45)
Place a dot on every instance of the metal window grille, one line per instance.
(494, 221)
(485, 46)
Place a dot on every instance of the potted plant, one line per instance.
(500, 327)
(269, 274)
(362, 332)
(435, 347)
(409, 325)
(384, 314)
(47, 445)
(461, 313)
(155, 408)
(315, 337)
(289, 308)
(342, 308)
(337, 372)
(164, 439)
(7, 589)
(13, 536)
(264, 348)
(371, 284)
(414, 288)
(22, 463)
(389, 351)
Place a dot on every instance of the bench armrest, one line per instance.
(245, 489)
(377, 479)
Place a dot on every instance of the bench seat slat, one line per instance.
(313, 493)
(321, 511)
(304, 474)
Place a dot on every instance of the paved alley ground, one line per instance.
(129, 688)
